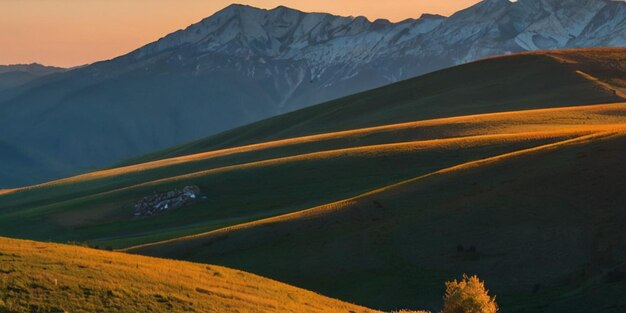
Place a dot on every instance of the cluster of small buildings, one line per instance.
(165, 201)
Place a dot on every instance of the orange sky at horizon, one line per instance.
(76, 32)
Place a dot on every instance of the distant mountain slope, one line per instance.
(45, 277)
(22, 165)
(517, 82)
(33, 68)
(12, 76)
(244, 64)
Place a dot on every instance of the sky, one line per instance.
(76, 32)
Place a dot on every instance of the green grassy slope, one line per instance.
(44, 277)
(391, 248)
(284, 176)
(547, 225)
(98, 207)
(518, 82)
(270, 187)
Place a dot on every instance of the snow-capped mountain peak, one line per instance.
(290, 47)
(320, 41)
(269, 33)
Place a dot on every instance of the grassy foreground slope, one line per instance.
(510, 83)
(44, 277)
(546, 225)
(97, 207)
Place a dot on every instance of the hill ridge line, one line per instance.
(321, 209)
(290, 141)
(617, 92)
(380, 147)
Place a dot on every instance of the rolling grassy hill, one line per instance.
(98, 207)
(519, 82)
(366, 243)
(367, 198)
(319, 166)
(546, 223)
(45, 277)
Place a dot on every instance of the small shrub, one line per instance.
(468, 296)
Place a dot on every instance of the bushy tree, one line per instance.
(468, 296)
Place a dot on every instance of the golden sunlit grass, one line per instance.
(506, 204)
(195, 241)
(81, 203)
(408, 147)
(570, 119)
(44, 277)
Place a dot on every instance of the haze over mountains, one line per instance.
(15, 75)
(244, 64)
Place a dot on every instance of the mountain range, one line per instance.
(15, 75)
(244, 64)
